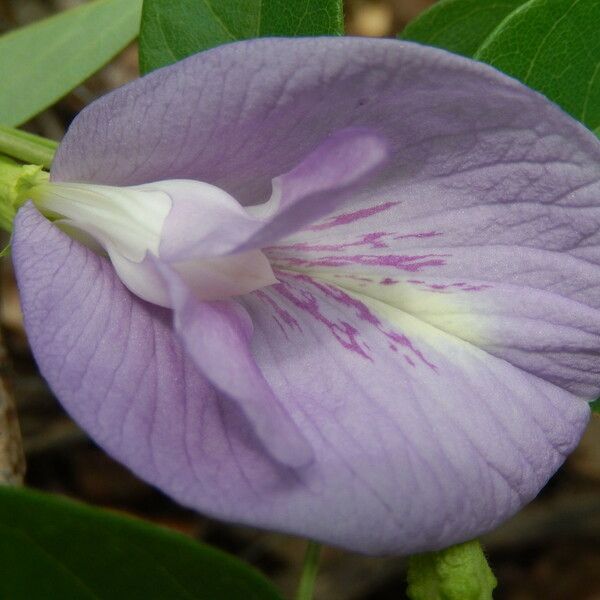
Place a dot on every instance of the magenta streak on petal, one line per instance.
(373, 240)
(444, 287)
(404, 341)
(423, 234)
(413, 264)
(346, 218)
(343, 332)
(388, 281)
(477, 288)
(362, 312)
(283, 314)
(280, 325)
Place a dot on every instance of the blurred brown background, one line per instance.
(550, 551)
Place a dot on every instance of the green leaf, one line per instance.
(54, 548)
(43, 61)
(460, 572)
(553, 46)
(595, 406)
(174, 29)
(460, 26)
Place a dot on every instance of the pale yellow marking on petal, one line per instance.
(452, 312)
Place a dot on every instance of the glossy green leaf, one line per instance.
(460, 26)
(174, 29)
(595, 406)
(553, 46)
(40, 63)
(55, 548)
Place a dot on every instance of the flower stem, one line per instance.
(309, 571)
(27, 147)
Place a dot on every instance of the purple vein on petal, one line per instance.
(413, 264)
(347, 335)
(443, 287)
(373, 240)
(357, 215)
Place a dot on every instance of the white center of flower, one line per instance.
(130, 219)
(128, 223)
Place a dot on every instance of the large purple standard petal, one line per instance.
(485, 223)
(419, 439)
(240, 115)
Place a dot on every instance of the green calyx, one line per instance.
(460, 572)
(16, 181)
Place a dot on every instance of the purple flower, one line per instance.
(365, 280)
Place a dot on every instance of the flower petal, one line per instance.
(423, 439)
(416, 447)
(486, 176)
(501, 252)
(240, 115)
(420, 438)
(120, 370)
(340, 165)
(217, 336)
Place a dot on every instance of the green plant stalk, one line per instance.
(26, 147)
(309, 571)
